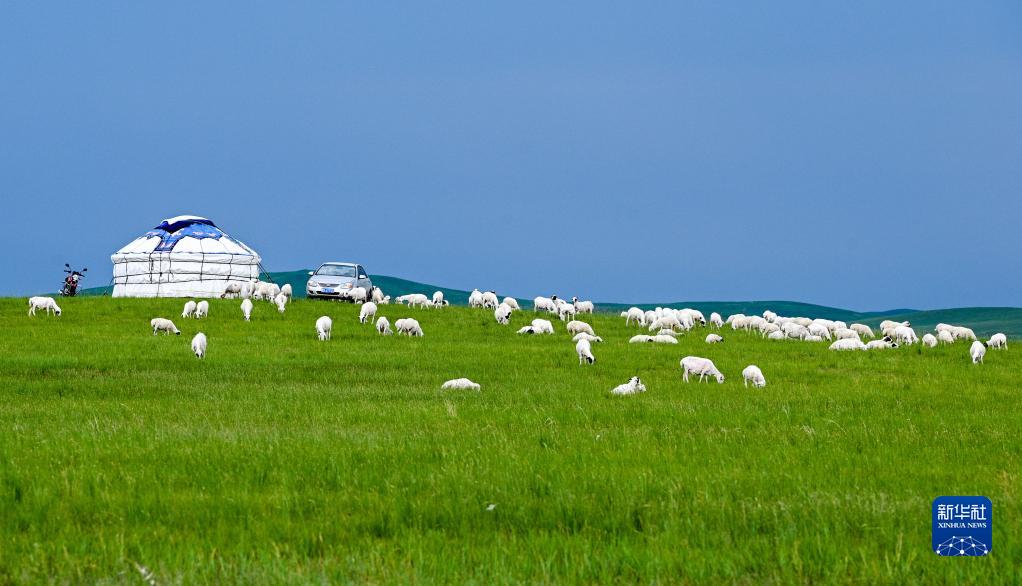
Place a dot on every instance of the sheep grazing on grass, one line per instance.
(999, 341)
(716, 320)
(246, 309)
(863, 330)
(585, 352)
(281, 302)
(438, 298)
(45, 303)
(779, 335)
(714, 339)
(544, 304)
(286, 290)
(848, 344)
(977, 352)
(502, 314)
(963, 333)
(661, 339)
(882, 344)
(324, 328)
(199, 345)
(542, 326)
(635, 314)
(512, 303)
(583, 306)
(202, 309)
(575, 327)
(632, 387)
(905, 335)
(817, 329)
(357, 295)
(527, 330)
(189, 310)
(367, 313)
(753, 374)
(231, 290)
(945, 337)
(461, 383)
(475, 298)
(490, 300)
(703, 367)
(930, 341)
(566, 311)
(586, 336)
(166, 326)
(846, 334)
(383, 326)
(409, 327)
(376, 295)
(640, 339)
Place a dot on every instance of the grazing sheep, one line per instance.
(383, 326)
(409, 327)
(45, 303)
(166, 326)
(905, 335)
(714, 339)
(527, 330)
(189, 310)
(286, 290)
(818, 329)
(575, 327)
(700, 366)
(367, 313)
(202, 309)
(978, 351)
(929, 340)
(960, 332)
(475, 298)
(199, 345)
(893, 324)
(502, 314)
(324, 328)
(863, 330)
(566, 311)
(585, 352)
(281, 302)
(586, 336)
(659, 339)
(769, 315)
(583, 306)
(490, 300)
(640, 339)
(461, 383)
(246, 291)
(438, 298)
(779, 335)
(846, 334)
(716, 320)
(543, 326)
(512, 303)
(231, 290)
(377, 296)
(635, 314)
(999, 341)
(882, 344)
(633, 386)
(753, 374)
(357, 295)
(945, 337)
(246, 309)
(848, 344)
(545, 304)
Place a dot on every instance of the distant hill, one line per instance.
(984, 320)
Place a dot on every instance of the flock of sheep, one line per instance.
(664, 325)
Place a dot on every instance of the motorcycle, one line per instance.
(71, 281)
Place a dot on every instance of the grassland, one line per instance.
(283, 459)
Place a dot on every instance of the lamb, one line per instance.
(882, 344)
(585, 352)
(716, 320)
(819, 329)
(714, 339)
(999, 341)
(635, 314)
(377, 296)
(701, 366)
(438, 298)
(246, 309)
(660, 339)
(545, 304)
(586, 336)
(46, 303)
(475, 298)
(640, 339)
(905, 335)
(409, 327)
(199, 345)
(202, 309)
(189, 310)
(633, 386)
(575, 327)
(286, 290)
(945, 337)
(490, 300)
(281, 302)
(769, 328)
(753, 374)
(565, 311)
(385, 300)
(383, 326)
(978, 351)
(166, 326)
(231, 290)
(960, 332)
(848, 344)
(461, 383)
(583, 306)
(367, 313)
(272, 291)
(863, 330)
(324, 328)
(502, 314)
(542, 326)
(512, 303)
(357, 295)
(929, 341)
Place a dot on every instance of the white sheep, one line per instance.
(863, 330)
(527, 330)
(246, 309)
(846, 334)
(640, 339)
(475, 298)
(716, 320)
(377, 296)
(714, 339)
(882, 344)
(281, 302)
(929, 340)
(189, 310)
(45, 303)
(461, 383)
(779, 335)
(848, 344)
(905, 335)
(999, 341)
(285, 289)
(566, 311)
(199, 345)
(543, 326)
(324, 328)
(977, 352)
(635, 314)
(545, 304)
(512, 303)
(575, 327)
(945, 337)
(490, 300)
(769, 315)
(670, 333)
(960, 332)
(700, 366)
(753, 374)
(231, 290)
(383, 326)
(367, 313)
(583, 306)
(812, 338)
(633, 386)
(357, 295)
(585, 352)
(438, 298)
(661, 339)
(202, 309)
(502, 314)
(586, 336)
(409, 327)
(818, 329)
(166, 326)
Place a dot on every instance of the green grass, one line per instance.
(283, 459)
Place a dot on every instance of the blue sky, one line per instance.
(864, 155)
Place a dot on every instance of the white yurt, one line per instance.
(185, 256)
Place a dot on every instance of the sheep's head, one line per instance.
(720, 378)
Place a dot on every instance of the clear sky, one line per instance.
(866, 155)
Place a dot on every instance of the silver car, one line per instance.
(333, 279)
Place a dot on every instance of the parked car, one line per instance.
(332, 279)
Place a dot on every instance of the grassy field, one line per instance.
(283, 459)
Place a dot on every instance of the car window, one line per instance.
(336, 271)
(361, 273)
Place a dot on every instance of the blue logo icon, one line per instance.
(962, 525)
